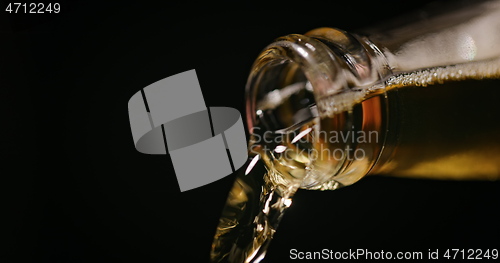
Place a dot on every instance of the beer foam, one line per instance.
(471, 70)
(331, 105)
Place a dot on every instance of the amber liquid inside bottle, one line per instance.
(437, 123)
(446, 131)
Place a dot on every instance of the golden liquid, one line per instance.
(446, 131)
(259, 198)
(437, 123)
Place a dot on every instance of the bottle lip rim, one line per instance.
(315, 60)
(334, 62)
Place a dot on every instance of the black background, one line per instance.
(74, 189)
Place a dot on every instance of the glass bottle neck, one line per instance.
(321, 75)
(346, 75)
(455, 34)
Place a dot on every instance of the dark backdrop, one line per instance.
(74, 189)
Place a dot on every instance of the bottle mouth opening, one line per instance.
(295, 68)
(330, 62)
(310, 79)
